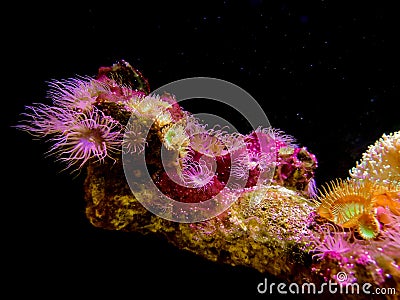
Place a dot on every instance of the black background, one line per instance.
(325, 72)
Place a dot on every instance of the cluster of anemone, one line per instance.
(369, 200)
(76, 129)
(337, 251)
(360, 216)
(210, 157)
(95, 118)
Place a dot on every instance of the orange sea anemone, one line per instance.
(353, 204)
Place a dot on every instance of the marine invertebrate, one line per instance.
(92, 135)
(42, 120)
(261, 145)
(381, 162)
(273, 150)
(364, 213)
(90, 115)
(151, 106)
(134, 140)
(79, 93)
(84, 121)
(76, 135)
(329, 242)
(175, 137)
(114, 112)
(207, 141)
(198, 174)
(352, 203)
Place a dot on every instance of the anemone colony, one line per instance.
(363, 212)
(97, 118)
(349, 225)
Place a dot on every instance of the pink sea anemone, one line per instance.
(391, 234)
(331, 242)
(41, 120)
(77, 93)
(198, 174)
(92, 135)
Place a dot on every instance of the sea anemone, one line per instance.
(42, 120)
(280, 138)
(175, 137)
(260, 150)
(152, 106)
(78, 93)
(193, 125)
(206, 143)
(352, 204)
(91, 135)
(234, 141)
(240, 166)
(198, 174)
(330, 242)
(134, 140)
(273, 156)
(163, 118)
(132, 102)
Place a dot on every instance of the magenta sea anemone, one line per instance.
(92, 135)
(77, 93)
(76, 136)
(41, 120)
(77, 129)
(198, 174)
(331, 242)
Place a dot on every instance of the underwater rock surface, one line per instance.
(264, 229)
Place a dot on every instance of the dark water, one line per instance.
(325, 73)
